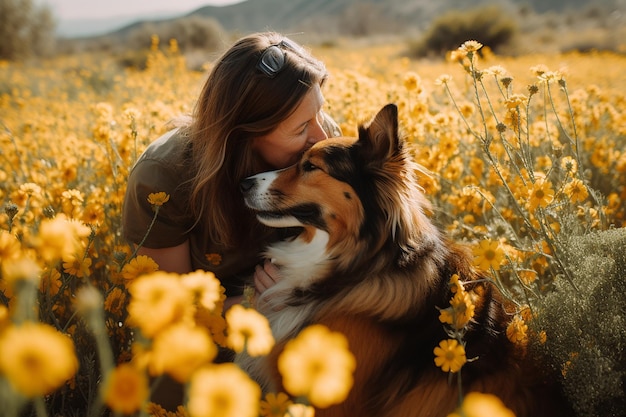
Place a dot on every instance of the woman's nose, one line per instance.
(317, 133)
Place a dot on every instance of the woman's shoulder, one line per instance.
(169, 155)
(172, 147)
(165, 163)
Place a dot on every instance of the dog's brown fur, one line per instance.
(368, 263)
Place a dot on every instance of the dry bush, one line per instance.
(490, 25)
(26, 29)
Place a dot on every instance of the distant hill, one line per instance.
(331, 16)
(543, 24)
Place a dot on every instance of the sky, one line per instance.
(101, 9)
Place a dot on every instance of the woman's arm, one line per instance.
(173, 259)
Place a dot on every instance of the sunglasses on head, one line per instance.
(273, 58)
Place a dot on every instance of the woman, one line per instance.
(259, 110)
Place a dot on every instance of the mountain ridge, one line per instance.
(329, 15)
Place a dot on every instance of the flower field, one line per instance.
(523, 158)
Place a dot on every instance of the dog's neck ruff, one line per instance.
(302, 261)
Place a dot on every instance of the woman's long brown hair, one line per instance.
(238, 103)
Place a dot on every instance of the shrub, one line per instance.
(190, 33)
(26, 29)
(584, 321)
(489, 25)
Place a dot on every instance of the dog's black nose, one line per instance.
(246, 184)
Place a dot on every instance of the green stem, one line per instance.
(156, 213)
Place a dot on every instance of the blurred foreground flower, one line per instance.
(317, 364)
(223, 391)
(299, 410)
(158, 300)
(181, 349)
(36, 358)
(126, 389)
(59, 237)
(275, 405)
(22, 268)
(205, 287)
(476, 404)
(248, 330)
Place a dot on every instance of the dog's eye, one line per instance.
(307, 166)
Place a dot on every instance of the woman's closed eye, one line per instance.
(303, 130)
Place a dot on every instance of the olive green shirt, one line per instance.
(165, 166)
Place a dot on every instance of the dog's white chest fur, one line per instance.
(301, 263)
(300, 260)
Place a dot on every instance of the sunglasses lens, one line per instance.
(272, 61)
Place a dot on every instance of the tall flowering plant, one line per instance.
(531, 190)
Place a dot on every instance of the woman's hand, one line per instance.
(265, 276)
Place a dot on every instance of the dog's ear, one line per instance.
(379, 139)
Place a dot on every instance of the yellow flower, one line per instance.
(551, 77)
(478, 404)
(446, 315)
(515, 101)
(126, 389)
(214, 258)
(115, 301)
(517, 329)
(539, 70)
(138, 266)
(31, 189)
(275, 405)
(158, 199)
(527, 276)
(72, 201)
(488, 254)
(76, 265)
(317, 364)
(50, 281)
(411, 81)
(497, 71)
(60, 237)
(158, 300)
(180, 350)
(205, 288)
(450, 355)
(470, 46)
(223, 391)
(455, 284)
(443, 79)
(249, 330)
(460, 312)
(576, 191)
(156, 410)
(214, 322)
(299, 410)
(36, 358)
(540, 194)
(22, 268)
